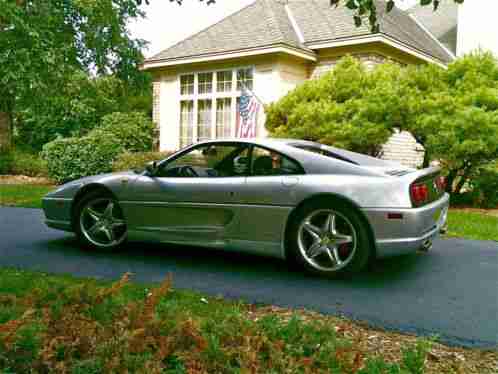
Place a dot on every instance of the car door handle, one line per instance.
(232, 193)
(290, 181)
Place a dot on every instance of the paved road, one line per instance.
(452, 291)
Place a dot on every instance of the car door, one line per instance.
(194, 198)
(269, 195)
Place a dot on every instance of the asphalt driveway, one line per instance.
(451, 291)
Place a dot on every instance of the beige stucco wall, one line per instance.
(274, 76)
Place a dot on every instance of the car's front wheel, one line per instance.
(328, 239)
(99, 221)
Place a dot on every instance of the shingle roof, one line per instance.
(262, 23)
(443, 24)
(266, 23)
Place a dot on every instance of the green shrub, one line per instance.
(485, 188)
(134, 130)
(29, 164)
(23, 163)
(73, 158)
(6, 161)
(137, 160)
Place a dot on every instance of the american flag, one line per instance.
(247, 117)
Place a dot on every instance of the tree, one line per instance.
(455, 114)
(347, 107)
(452, 112)
(44, 42)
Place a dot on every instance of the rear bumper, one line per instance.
(417, 228)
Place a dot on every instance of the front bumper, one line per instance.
(57, 213)
(417, 228)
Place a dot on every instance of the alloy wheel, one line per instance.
(102, 223)
(327, 240)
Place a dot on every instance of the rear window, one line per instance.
(323, 152)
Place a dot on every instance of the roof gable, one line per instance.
(262, 23)
(267, 23)
(443, 24)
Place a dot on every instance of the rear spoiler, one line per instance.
(421, 174)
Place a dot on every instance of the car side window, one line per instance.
(268, 162)
(208, 161)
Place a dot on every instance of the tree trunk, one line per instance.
(449, 181)
(5, 132)
(462, 180)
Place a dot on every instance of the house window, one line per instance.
(224, 81)
(186, 123)
(204, 120)
(244, 78)
(223, 117)
(187, 84)
(205, 85)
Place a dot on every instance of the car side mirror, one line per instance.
(151, 168)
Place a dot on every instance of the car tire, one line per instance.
(98, 221)
(328, 238)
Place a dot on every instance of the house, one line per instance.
(270, 47)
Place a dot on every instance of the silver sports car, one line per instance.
(328, 210)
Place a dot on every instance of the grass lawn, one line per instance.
(23, 195)
(61, 324)
(472, 225)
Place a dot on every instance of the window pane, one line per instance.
(186, 123)
(224, 81)
(267, 162)
(244, 77)
(207, 161)
(205, 83)
(187, 84)
(204, 120)
(223, 117)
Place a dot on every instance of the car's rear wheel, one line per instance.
(328, 239)
(99, 222)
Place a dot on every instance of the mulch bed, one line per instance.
(22, 179)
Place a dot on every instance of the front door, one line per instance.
(194, 198)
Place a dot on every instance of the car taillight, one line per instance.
(441, 183)
(419, 193)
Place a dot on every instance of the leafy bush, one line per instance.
(29, 164)
(6, 161)
(73, 158)
(134, 130)
(485, 188)
(136, 160)
(348, 107)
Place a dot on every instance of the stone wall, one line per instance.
(403, 148)
(327, 64)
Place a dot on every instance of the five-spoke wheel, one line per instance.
(100, 222)
(328, 237)
(327, 240)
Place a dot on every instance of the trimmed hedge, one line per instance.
(74, 158)
(137, 160)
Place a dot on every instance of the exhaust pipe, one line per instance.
(426, 245)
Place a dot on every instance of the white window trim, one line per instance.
(213, 96)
